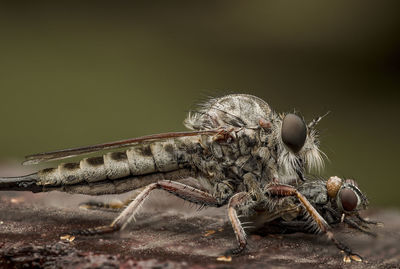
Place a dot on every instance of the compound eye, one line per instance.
(294, 132)
(349, 199)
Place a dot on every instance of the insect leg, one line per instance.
(102, 206)
(286, 190)
(110, 206)
(368, 221)
(237, 202)
(356, 225)
(183, 191)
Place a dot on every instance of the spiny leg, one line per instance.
(286, 190)
(238, 201)
(183, 191)
(111, 206)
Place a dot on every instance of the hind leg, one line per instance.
(183, 191)
(116, 205)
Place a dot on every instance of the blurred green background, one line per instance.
(75, 74)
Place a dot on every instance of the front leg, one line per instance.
(239, 202)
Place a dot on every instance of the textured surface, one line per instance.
(31, 225)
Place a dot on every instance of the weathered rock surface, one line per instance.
(30, 230)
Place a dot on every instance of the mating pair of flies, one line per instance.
(239, 152)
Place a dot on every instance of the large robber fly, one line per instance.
(239, 151)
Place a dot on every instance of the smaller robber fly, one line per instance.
(313, 206)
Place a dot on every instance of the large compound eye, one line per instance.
(294, 132)
(349, 199)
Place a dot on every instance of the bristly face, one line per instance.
(298, 145)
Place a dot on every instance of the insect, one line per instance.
(313, 206)
(236, 147)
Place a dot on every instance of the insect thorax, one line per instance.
(245, 153)
(235, 110)
(246, 111)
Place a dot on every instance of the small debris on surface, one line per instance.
(67, 237)
(16, 200)
(210, 232)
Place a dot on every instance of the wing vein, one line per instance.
(68, 153)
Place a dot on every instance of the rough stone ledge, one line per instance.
(30, 231)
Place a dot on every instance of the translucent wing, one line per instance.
(68, 153)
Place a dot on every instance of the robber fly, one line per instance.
(313, 206)
(236, 147)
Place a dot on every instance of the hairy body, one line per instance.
(238, 146)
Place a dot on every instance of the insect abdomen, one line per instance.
(141, 159)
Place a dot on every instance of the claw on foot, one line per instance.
(356, 258)
(224, 258)
(352, 257)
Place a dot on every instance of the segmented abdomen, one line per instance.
(145, 158)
